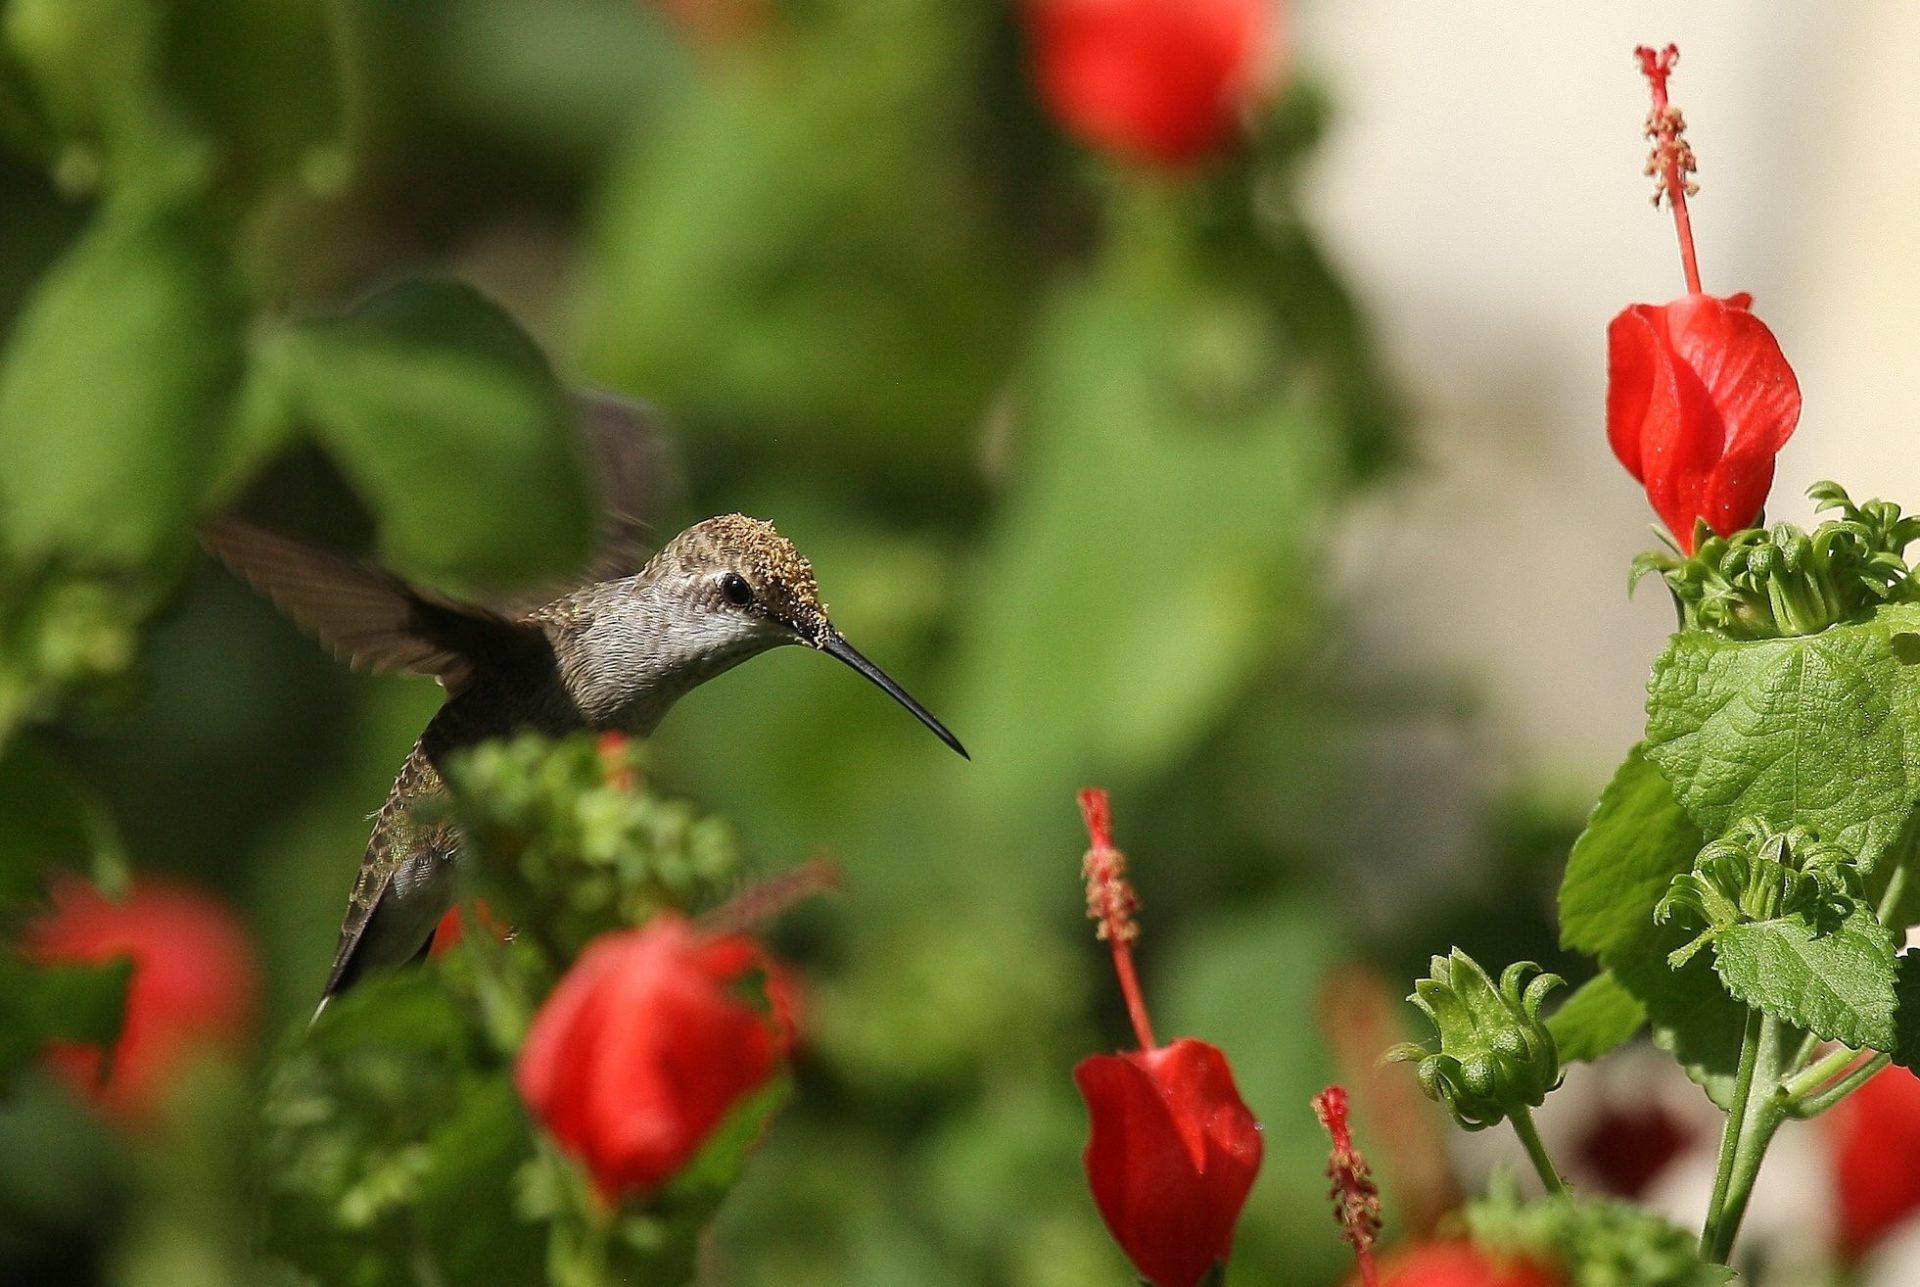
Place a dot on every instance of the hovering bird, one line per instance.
(612, 654)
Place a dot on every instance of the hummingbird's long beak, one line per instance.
(834, 645)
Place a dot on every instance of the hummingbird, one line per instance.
(612, 654)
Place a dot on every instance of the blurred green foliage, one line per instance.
(1064, 443)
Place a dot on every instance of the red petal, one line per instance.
(642, 1049)
(1699, 402)
(1755, 399)
(1170, 1157)
(1636, 362)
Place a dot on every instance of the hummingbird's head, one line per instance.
(746, 588)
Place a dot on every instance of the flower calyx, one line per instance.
(1782, 582)
(1756, 873)
(1494, 1053)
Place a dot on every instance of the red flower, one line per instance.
(1460, 1264)
(1699, 397)
(1171, 1156)
(195, 983)
(643, 1048)
(1699, 402)
(1172, 1150)
(1875, 1136)
(1157, 81)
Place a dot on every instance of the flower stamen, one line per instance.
(1672, 159)
(1111, 904)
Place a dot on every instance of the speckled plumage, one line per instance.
(613, 654)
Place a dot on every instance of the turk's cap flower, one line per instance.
(194, 987)
(1494, 1053)
(1160, 82)
(1700, 400)
(646, 1045)
(1172, 1152)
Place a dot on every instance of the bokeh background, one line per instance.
(1274, 498)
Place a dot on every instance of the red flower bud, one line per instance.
(1875, 1135)
(1699, 402)
(1156, 81)
(644, 1048)
(1172, 1153)
(195, 984)
(1460, 1264)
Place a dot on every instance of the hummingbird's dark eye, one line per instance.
(735, 588)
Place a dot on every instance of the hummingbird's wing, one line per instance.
(367, 616)
(626, 442)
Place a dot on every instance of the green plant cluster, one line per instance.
(393, 1144)
(1769, 583)
(1769, 815)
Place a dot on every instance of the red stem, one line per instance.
(1130, 989)
(1671, 156)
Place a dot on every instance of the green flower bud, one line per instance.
(1494, 1052)
(1755, 873)
(1775, 583)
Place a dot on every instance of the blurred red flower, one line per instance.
(1875, 1134)
(644, 1047)
(452, 928)
(1172, 1149)
(195, 984)
(1460, 1264)
(1157, 81)
(1699, 402)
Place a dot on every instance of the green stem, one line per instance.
(1751, 1122)
(1522, 1119)
(1810, 1104)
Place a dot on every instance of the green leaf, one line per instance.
(39, 1004)
(262, 81)
(1637, 840)
(1689, 1013)
(116, 392)
(1599, 1016)
(1838, 985)
(46, 819)
(450, 422)
(1822, 731)
(1906, 1013)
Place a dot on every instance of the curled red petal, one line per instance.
(644, 1047)
(1700, 400)
(1637, 361)
(1170, 1157)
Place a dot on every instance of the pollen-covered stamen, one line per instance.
(1672, 159)
(1111, 904)
(1356, 1199)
